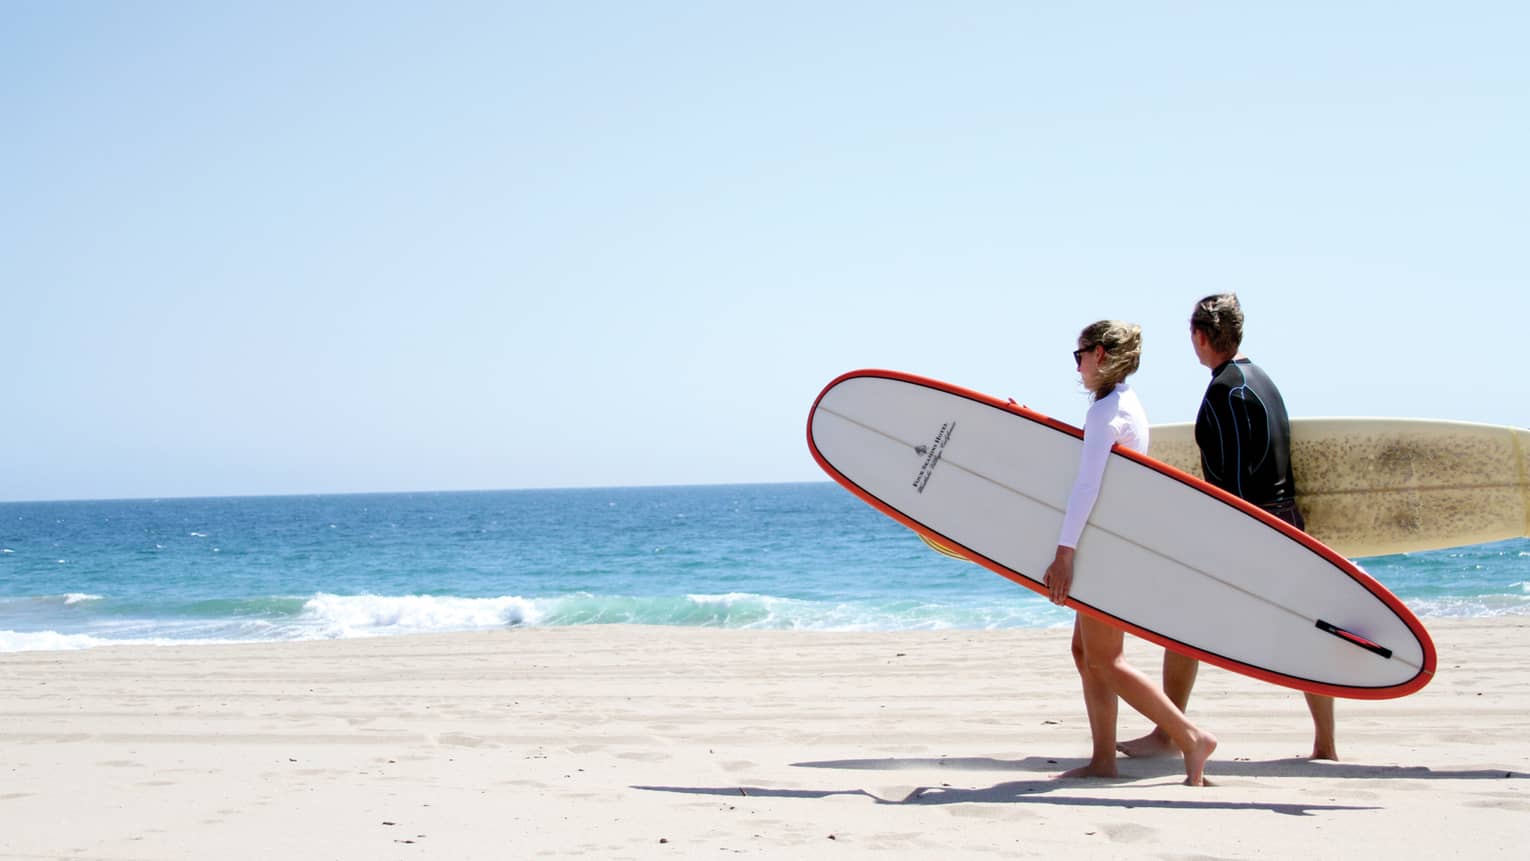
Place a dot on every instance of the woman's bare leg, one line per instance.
(1101, 703)
(1179, 673)
(1102, 654)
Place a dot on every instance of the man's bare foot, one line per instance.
(1196, 756)
(1091, 770)
(1327, 753)
(1154, 743)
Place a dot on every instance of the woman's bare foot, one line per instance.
(1155, 743)
(1195, 758)
(1093, 769)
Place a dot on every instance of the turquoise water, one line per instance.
(803, 556)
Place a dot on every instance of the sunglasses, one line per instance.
(1078, 355)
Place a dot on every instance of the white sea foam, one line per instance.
(36, 603)
(730, 598)
(46, 641)
(339, 616)
(53, 641)
(747, 610)
(1481, 606)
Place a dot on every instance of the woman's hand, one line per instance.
(1059, 576)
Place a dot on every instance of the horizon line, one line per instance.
(301, 494)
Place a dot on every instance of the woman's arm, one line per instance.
(1099, 436)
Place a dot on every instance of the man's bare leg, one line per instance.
(1323, 744)
(1178, 680)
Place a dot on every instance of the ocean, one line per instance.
(787, 556)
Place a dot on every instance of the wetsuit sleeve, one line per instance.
(1209, 438)
(1099, 436)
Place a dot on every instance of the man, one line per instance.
(1245, 440)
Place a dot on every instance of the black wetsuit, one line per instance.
(1245, 439)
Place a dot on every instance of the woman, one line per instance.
(1108, 352)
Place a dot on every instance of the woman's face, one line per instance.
(1089, 357)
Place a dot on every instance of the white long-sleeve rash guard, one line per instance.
(1116, 418)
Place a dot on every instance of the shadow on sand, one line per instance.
(1047, 790)
(1017, 792)
(1165, 766)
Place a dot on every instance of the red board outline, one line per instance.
(1422, 678)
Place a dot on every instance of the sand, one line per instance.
(638, 742)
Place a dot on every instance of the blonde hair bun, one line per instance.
(1123, 351)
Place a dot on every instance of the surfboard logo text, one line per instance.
(932, 455)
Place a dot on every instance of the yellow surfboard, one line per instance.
(1370, 487)
(941, 548)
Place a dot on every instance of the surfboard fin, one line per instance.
(1352, 637)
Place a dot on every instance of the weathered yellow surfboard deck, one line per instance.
(1374, 486)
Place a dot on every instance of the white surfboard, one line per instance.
(1164, 554)
(1369, 487)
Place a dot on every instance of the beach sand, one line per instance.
(638, 742)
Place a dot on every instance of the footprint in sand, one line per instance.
(643, 756)
(1128, 832)
(1521, 806)
(457, 739)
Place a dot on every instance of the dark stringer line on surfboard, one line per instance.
(945, 459)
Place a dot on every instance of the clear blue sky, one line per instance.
(252, 248)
